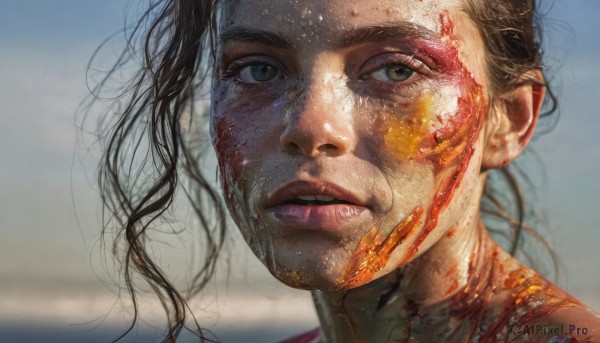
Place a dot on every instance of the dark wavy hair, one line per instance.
(147, 155)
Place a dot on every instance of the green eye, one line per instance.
(260, 72)
(393, 73)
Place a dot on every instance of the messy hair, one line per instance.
(512, 38)
(146, 155)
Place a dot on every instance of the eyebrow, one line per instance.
(372, 34)
(244, 34)
(350, 38)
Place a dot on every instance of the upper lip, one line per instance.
(296, 188)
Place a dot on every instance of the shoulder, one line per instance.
(570, 324)
(543, 312)
(313, 336)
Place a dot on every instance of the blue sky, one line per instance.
(45, 47)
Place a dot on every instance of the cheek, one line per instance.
(240, 129)
(412, 135)
(238, 169)
(230, 137)
(440, 129)
(227, 142)
(442, 122)
(224, 135)
(448, 147)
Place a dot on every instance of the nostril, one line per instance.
(292, 147)
(329, 146)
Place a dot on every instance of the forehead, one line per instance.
(305, 27)
(323, 19)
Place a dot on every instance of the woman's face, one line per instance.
(347, 132)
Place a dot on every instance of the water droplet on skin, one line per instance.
(305, 12)
(439, 137)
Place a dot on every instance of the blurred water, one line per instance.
(44, 334)
(255, 313)
(45, 49)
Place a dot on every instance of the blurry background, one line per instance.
(54, 286)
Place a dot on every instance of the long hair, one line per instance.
(513, 40)
(146, 153)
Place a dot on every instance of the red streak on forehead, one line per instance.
(447, 29)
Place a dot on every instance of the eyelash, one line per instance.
(378, 63)
(234, 68)
(420, 69)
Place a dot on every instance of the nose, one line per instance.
(321, 122)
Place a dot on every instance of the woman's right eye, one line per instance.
(258, 73)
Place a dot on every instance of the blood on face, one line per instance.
(448, 149)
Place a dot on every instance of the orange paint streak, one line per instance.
(451, 146)
(468, 305)
(440, 201)
(373, 253)
(522, 293)
(530, 294)
(452, 288)
(515, 278)
(451, 273)
(457, 141)
(524, 288)
(452, 232)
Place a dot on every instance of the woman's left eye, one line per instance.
(392, 73)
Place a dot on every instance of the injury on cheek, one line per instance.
(420, 139)
(373, 251)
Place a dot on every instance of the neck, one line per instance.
(418, 298)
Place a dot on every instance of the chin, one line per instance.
(309, 270)
(305, 280)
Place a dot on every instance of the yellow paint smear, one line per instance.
(404, 136)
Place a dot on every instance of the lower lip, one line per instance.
(327, 217)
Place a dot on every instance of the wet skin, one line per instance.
(379, 106)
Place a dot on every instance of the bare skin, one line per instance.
(429, 301)
(353, 140)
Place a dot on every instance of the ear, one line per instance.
(513, 118)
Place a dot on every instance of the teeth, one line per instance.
(316, 197)
(325, 198)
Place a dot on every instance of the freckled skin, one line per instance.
(418, 265)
